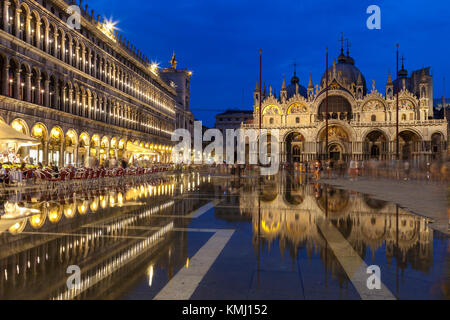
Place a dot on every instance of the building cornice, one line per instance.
(29, 47)
(63, 115)
(114, 45)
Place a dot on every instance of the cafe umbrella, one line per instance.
(9, 136)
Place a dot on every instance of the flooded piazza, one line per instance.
(206, 236)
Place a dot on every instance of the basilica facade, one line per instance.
(362, 121)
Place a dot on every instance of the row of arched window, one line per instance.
(26, 24)
(23, 82)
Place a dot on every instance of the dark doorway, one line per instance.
(375, 151)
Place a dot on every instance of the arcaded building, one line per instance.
(83, 92)
(362, 121)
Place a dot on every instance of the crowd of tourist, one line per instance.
(433, 170)
(390, 169)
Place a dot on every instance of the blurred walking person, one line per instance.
(317, 168)
(352, 170)
(406, 169)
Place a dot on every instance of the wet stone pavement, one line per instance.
(201, 236)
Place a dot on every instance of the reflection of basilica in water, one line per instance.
(289, 211)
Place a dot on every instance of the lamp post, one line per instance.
(260, 89)
(326, 109)
(396, 127)
(260, 104)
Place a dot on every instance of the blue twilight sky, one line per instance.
(219, 41)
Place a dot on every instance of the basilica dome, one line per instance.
(346, 69)
(292, 88)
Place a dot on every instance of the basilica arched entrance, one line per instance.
(335, 152)
(409, 144)
(338, 143)
(294, 147)
(437, 145)
(375, 145)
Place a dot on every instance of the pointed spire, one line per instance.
(423, 78)
(283, 86)
(444, 105)
(295, 79)
(403, 73)
(341, 58)
(348, 47)
(359, 81)
(264, 90)
(350, 60)
(295, 68)
(310, 84)
(257, 86)
(389, 79)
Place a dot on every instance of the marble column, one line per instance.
(17, 22)
(77, 57)
(63, 48)
(45, 151)
(46, 43)
(83, 60)
(5, 15)
(46, 93)
(37, 35)
(70, 53)
(28, 87)
(83, 105)
(18, 85)
(5, 76)
(27, 29)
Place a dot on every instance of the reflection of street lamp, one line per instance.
(150, 275)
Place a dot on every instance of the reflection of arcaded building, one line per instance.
(114, 236)
(291, 212)
(361, 120)
(82, 93)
